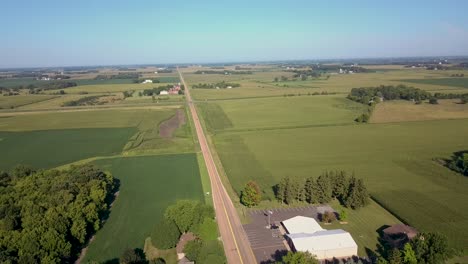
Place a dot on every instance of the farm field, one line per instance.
(10, 83)
(7, 102)
(396, 161)
(148, 185)
(401, 111)
(51, 148)
(105, 88)
(456, 82)
(261, 84)
(49, 139)
(276, 112)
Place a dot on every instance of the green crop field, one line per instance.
(107, 118)
(396, 161)
(7, 102)
(265, 139)
(280, 112)
(80, 82)
(51, 148)
(148, 185)
(11, 83)
(49, 139)
(456, 82)
(106, 88)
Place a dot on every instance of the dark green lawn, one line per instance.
(148, 184)
(51, 148)
(455, 82)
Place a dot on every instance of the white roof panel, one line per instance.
(302, 224)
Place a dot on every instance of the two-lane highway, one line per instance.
(236, 244)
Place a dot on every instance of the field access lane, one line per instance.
(236, 244)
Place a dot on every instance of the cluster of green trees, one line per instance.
(166, 70)
(459, 162)
(458, 75)
(463, 97)
(46, 216)
(387, 92)
(157, 90)
(181, 217)
(221, 85)
(33, 89)
(188, 216)
(430, 248)
(127, 94)
(88, 100)
(349, 190)
(120, 75)
(240, 68)
(222, 72)
(303, 74)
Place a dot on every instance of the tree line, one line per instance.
(46, 216)
(349, 190)
(387, 92)
(120, 75)
(220, 85)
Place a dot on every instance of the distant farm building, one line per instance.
(397, 235)
(164, 92)
(147, 81)
(305, 234)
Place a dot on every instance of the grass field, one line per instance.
(7, 102)
(401, 111)
(51, 148)
(148, 185)
(456, 82)
(396, 161)
(364, 225)
(280, 112)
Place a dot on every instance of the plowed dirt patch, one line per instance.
(167, 128)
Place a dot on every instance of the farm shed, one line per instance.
(305, 234)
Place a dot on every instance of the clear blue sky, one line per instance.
(103, 32)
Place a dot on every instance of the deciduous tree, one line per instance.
(251, 196)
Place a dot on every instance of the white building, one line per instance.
(164, 92)
(147, 81)
(305, 234)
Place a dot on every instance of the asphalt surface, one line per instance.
(236, 244)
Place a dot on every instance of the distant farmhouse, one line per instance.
(147, 81)
(305, 234)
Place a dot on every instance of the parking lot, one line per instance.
(269, 245)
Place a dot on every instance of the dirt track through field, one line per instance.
(236, 244)
(167, 128)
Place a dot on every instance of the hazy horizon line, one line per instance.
(337, 59)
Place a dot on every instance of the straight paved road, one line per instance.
(235, 241)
